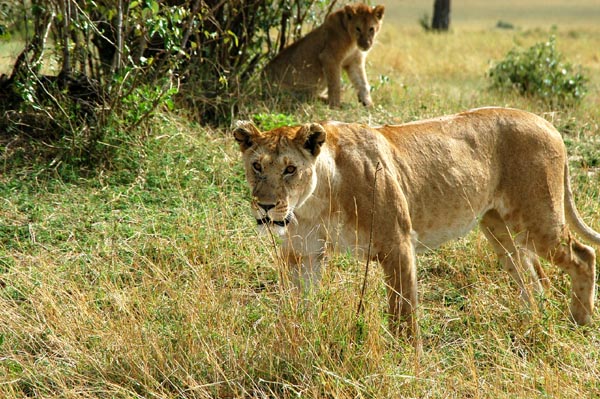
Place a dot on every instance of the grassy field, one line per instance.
(485, 14)
(150, 282)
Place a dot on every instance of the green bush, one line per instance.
(540, 72)
(268, 121)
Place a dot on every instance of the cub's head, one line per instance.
(280, 169)
(363, 23)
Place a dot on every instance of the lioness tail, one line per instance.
(573, 217)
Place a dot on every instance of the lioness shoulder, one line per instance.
(315, 62)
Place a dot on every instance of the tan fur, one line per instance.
(503, 169)
(315, 62)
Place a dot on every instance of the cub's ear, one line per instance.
(312, 136)
(245, 133)
(349, 11)
(378, 11)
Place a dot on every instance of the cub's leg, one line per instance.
(355, 68)
(401, 277)
(332, 69)
(522, 264)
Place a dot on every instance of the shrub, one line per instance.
(268, 121)
(540, 72)
(107, 86)
(231, 42)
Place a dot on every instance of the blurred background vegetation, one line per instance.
(116, 62)
(89, 73)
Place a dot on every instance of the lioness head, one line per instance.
(363, 23)
(280, 169)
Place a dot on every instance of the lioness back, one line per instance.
(455, 167)
(315, 62)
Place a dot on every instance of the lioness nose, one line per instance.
(266, 207)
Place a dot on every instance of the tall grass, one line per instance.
(151, 282)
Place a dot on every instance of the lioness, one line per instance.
(318, 186)
(316, 60)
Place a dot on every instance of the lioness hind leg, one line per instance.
(556, 244)
(579, 262)
(522, 264)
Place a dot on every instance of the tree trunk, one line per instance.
(118, 56)
(441, 15)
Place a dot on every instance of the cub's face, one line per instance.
(363, 23)
(280, 169)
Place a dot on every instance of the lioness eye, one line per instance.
(371, 29)
(358, 29)
(257, 166)
(290, 170)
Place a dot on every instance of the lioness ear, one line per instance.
(312, 136)
(378, 11)
(244, 134)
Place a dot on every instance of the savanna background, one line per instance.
(137, 273)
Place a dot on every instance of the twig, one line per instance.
(285, 15)
(278, 256)
(360, 308)
(330, 8)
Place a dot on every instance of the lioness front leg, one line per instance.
(401, 277)
(355, 68)
(303, 260)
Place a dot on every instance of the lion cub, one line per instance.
(315, 62)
